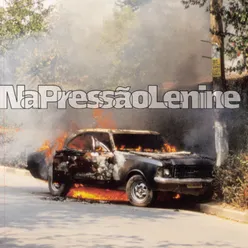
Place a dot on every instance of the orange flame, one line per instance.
(177, 197)
(121, 148)
(166, 148)
(86, 193)
(58, 144)
(104, 119)
(169, 148)
(48, 148)
(8, 129)
(149, 150)
(73, 127)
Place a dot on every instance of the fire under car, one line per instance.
(136, 161)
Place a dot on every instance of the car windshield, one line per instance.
(139, 142)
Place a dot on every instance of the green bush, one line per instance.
(231, 181)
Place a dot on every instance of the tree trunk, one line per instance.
(219, 82)
(221, 141)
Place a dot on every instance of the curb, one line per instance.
(16, 171)
(226, 213)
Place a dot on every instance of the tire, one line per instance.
(139, 199)
(57, 189)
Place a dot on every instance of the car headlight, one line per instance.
(162, 172)
(166, 172)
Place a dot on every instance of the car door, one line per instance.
(83, 145)
(97, 158)
(104, 160)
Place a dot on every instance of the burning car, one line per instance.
(139, 162)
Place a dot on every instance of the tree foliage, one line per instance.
(115, 31)
(21, 18)
(86, 59)
(234, 14)
(231, 181)
(133, 4)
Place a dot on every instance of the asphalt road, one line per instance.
(29, 219)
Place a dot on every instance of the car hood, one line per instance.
(177, 157)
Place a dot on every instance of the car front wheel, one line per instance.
(139, 193)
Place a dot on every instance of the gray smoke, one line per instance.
(163, 45)
(167, 46)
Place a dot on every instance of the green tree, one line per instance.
(235, 19)
(116, 38)
(57, 58)
(21, 19)
(133, 4)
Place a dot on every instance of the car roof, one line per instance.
(117, 131)
(105, 130)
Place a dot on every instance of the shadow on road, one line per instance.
(42, 208)
(128, 241)
(29, 210)
(15, 243)
(216, 244)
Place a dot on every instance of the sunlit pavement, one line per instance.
(28, 220)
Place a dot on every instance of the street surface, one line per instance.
(29, 219)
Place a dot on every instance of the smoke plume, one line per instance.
(90, 46)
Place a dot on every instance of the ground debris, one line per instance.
(69, 199)
(54, 198)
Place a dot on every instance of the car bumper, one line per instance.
(162, 180)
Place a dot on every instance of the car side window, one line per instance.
(104, 139)
(81, 143)
(102, 148)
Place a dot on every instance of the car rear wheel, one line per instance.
(139, 193)
(57, 189)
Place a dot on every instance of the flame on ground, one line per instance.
(103, 120)
(88, 193)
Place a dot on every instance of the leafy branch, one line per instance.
(235, 21)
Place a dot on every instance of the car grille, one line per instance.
(192, 171)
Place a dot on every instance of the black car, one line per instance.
(131, 160)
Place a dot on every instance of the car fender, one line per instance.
(149, 180)
(135, 172)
